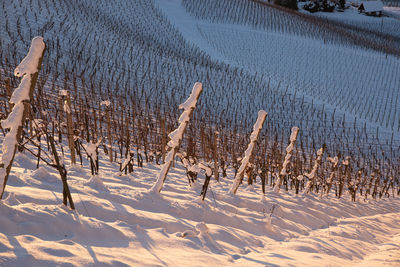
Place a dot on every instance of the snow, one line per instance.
(13, 122)
(392, 11)
(105, 103)
(127, 160)
(30, 63)
(91, 149)
(187, 106)
(117, 222)
(188, 27)
(22, 92)
(190, 103)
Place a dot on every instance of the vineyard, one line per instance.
(356, 82)
(292, 104)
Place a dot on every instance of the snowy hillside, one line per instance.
(315, 181)
(342, 76)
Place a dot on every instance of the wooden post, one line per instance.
(67, 109)
(289, 152)
(8, 92)
(163, 139)
(108, 115)
(21, 71)
(60, 118)
(216, 166)
(107, 104)
(335, 163)
(177, 135)
(313, 173)
(249, 151)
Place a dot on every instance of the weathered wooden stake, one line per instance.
(108, 115)
(8, 92)
(216, 165)
(177, 135)
(249, 151)
(163, 139)
(67, 109)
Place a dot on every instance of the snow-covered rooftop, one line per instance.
(372, 6)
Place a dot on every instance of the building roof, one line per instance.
(371, 6)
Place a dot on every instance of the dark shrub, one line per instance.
(292, 4)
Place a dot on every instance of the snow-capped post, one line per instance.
(127, 164)
(311, 175)
(335, 163)
(66, 99)
(289, 152)
(208, 172)
(28, 69)
(249, 151)
(92, 151)
(177, 135)
(107, 103)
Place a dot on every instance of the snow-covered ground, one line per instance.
(392, 11)
(117, 222)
